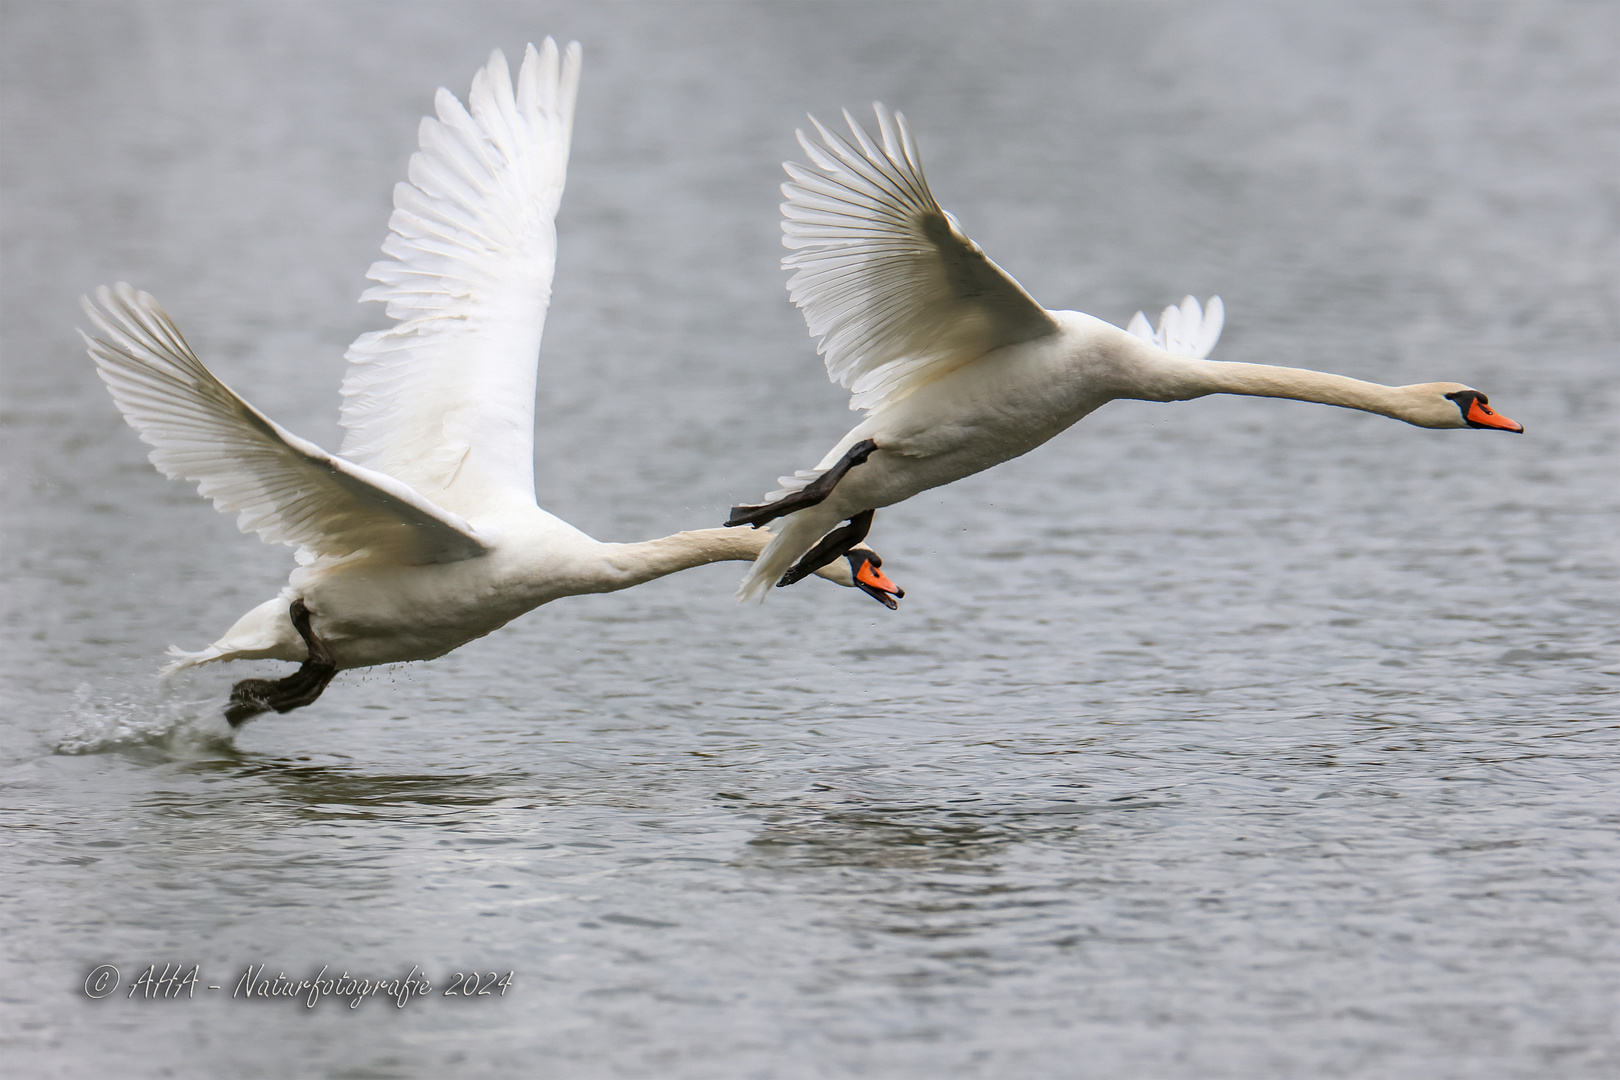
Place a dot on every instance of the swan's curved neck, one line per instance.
(1159, 376)
(633, 564)
(1300, 384)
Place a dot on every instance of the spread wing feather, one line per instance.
(1187, 330)
(444, 399)
(284, 488)
(896, 292)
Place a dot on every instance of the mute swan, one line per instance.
(958, 368)
(425, 533)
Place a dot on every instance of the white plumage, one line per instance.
(956, 365)
(424, 533)
(444, 399)
(894, 289)
(284, 488)
(1187, 330)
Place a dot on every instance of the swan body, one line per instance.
(958, 369)
(379, 612)
(424, 533)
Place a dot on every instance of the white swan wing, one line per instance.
(282, 487)
(894, 289)
(444, 399)
(1187, 330)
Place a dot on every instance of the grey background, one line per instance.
(1233, 738)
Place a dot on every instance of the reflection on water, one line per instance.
(963, 835)
(880, 838)
(1232, 738)
(317, 790)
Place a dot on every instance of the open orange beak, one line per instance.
(1482, 415)
(876, 584)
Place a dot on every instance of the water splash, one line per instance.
(142, 715)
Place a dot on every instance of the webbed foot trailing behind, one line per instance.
(811, 494)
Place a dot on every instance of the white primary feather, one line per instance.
(1185, 330)
(444, 400)
(894, 289)
(282, 487)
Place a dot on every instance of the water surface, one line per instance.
(1232, 738)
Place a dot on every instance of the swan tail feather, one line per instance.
(179, 659)
(264, 633)
(798, 533)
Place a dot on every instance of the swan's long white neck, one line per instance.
(1152, 374)
(632, 564)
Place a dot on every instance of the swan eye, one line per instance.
(1464, 399)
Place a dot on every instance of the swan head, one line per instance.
(1453, 405)
(866, 575)
(1475, 410)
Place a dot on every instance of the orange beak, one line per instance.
(1482, 415)
(876, 584)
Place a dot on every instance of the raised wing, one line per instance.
(1186, 330)
(444, 400)
(285, 489)
(894, 289)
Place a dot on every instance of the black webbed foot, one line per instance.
(250, 697)
(829, 547)
(811, 494)
(863, 563)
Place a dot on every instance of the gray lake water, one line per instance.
(1233, 738)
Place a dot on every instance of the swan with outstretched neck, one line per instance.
(959, 369)
(424, 533)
